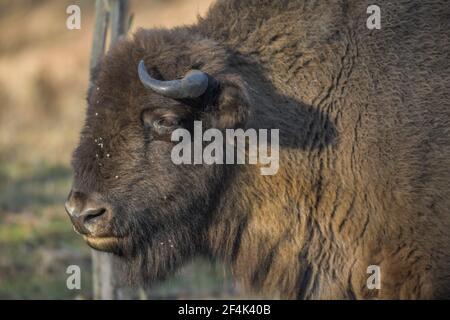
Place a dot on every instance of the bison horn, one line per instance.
(193, 85)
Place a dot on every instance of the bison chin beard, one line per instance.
(143, 259)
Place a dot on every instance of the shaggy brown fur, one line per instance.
(364, 120)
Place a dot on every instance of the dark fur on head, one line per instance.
(160, 209)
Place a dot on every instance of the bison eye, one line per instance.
(161, 121)
(165, 124)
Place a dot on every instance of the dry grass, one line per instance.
(43, 79)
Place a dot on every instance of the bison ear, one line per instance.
(232, 104)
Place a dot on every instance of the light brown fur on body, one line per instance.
(379, 193)
(364, 118)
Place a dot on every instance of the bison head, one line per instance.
(128, 197)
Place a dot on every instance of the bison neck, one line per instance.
(277, 232)
(312, 229)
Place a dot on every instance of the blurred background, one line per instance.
(43, 83)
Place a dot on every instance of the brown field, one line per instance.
(43, 79)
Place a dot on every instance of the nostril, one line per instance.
(93, 214)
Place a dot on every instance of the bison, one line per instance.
(364, 160)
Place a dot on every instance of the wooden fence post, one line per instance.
(113, 13)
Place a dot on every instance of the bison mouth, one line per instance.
(106, 244)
